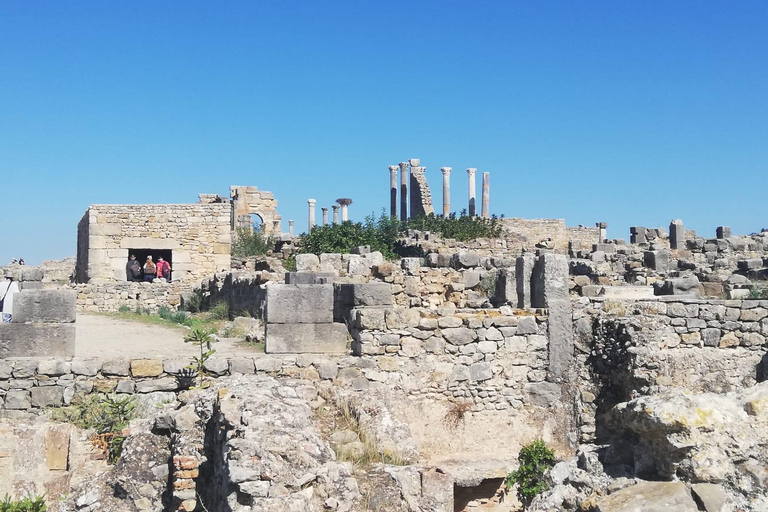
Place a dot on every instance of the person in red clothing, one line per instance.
(163, 269)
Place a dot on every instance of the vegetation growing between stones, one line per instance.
(455, 414)
(28, 504)
(204, 339)
(758, 292)
(382, 234)
(536, 460)
(250, 243)
(107, 415)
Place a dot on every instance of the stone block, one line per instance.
(53, 367)
(723, 232)
(47, 396)
(676, 234)
(465, 259)
(117, 367)
(31, 274)
(747, 264)
(656, 260)
(146, 367)
(459, 335)
(549, 280)
(17, 400)
(307, 262)
(506, 286)
(523, 273)
(688, 285)
(161, 384)
(37, 340)
(242, 365)
(367, 294)
(543, 394)
(309, 277)
(299, 304)
(401, 318)
(51, 306)
(306, 338)
(57, 447)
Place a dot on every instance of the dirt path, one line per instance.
(105, 337)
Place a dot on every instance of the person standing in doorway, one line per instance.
(133, 269)
(7, 291)
(150, 270)
(163, 269)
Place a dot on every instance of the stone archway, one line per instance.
(248, 201)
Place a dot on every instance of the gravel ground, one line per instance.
(105, 337)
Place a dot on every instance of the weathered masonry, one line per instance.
(195, 238)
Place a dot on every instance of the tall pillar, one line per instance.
(486, 194)
(403, 191)
(446, 190)
(471, 176)
(676, 234)
(344, 212)
(335, 213)
(290, 228)
(393, 190)
(602, 233)
(311, 203)
(325, 216)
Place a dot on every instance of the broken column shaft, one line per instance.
(486, 194)
(393, 190)
(471, 177)
(311, 223)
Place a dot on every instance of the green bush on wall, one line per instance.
(36, 504)
(536, 459)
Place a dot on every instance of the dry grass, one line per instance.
(615, 308)
(342, 414)
(454, 416)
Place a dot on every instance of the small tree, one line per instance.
(203, 338)
(536, 459)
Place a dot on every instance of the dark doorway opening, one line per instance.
(487, 492)
(141, 256)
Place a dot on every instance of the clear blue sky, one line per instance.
(633, 113)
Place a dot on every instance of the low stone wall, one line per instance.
(110, 297)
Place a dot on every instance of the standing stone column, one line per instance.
(486, 194)
(403, 191)
(311, 223)
(325, 216)
(676, 234)
(471, 176)
(393, 190)
(446, 190)
(335, 213)
(290, 228)
(601, 231)
(344, 202)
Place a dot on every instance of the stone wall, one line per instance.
(526, 233)
(110, 297)
(199, 236)
(644, 347)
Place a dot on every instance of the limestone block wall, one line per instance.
(199, 236)
(525, 233)
(645, 347)
(111, 296)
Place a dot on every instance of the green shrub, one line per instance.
(36, 504)
(107, 415)
(203, 338)
(536, 459)
(758, 292)
(220, 310)
(124, 309)
(250, 243)
(194, 303)
(289, 264)
(381, 234)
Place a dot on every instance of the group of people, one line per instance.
(149, 272)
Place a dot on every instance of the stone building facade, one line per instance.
(195, 238)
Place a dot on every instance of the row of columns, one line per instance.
(446, 171)
(311, 221)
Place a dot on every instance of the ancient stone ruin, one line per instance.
(403, 385)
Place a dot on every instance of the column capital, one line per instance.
(335, 207)
(394, 168)
(324, 209)
(311, 202)
(403, 166)
(446, 171)
(471, 171)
